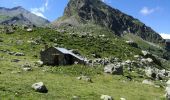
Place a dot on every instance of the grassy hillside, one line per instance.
(61, 81)
(145, 45)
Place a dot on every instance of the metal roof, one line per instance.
(167, 40)
(65, 51)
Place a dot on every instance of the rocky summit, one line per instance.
(97, 12)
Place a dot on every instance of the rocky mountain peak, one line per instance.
(99, 13)
(75, 5)
(18, 7)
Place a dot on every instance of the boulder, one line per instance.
(167, 93)
(75, 98)
(15, 72)
(136, 56)
(39, 87)
(19, 54)
(122, 99)
(26, 65)
(9, 31)
(15, 60)
(27, 69)
(29, 30)
(150, 73)
(132, 43)
(128, 61)
(168, 83)
(114, 69)
(150, 56)
(147, 82)
(106, 97)
(160, 76)
(145, 53)
(149, 60)
(85, 78)
(39, 63)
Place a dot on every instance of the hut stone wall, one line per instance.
(52, 56)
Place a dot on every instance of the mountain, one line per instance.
(19, 15)
(97, 12)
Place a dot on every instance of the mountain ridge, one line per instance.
(19, 11)
(99, 13)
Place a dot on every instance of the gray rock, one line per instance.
(128, 61)
(132, 43)
(19, 42)
(147, 82)
(26, 65)
(106, 97)
(9, 31)
(136, 56)
(167, 93)
(145, 53)
(29, 30)
(15, 72)
(19, 54)
(149, 60)
(39, 87)
(11, 53)
(85, 78)
(153, 57)
(15, 60)
(150, 73)
(168, 83)
(75, 98)
(39, 63)
(122, 99)
(113, 69)
(27, 69)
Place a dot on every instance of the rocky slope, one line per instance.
(19, 15)
(96, 12)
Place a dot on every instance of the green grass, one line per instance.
(62, 84)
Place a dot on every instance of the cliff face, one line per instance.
(97, 12)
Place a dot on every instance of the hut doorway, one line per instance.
(56, 59)
(69, 59)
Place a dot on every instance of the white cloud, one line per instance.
(165, 36)
(46, 4)
(40, 11)
(37, 12)
(106, 1)
(146, 11)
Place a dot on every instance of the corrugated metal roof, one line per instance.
(167, 40)
(65, 51)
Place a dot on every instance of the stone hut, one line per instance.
(60, 56)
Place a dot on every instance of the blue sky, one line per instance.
(154, 13)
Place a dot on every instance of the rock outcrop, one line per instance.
(40, 87)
